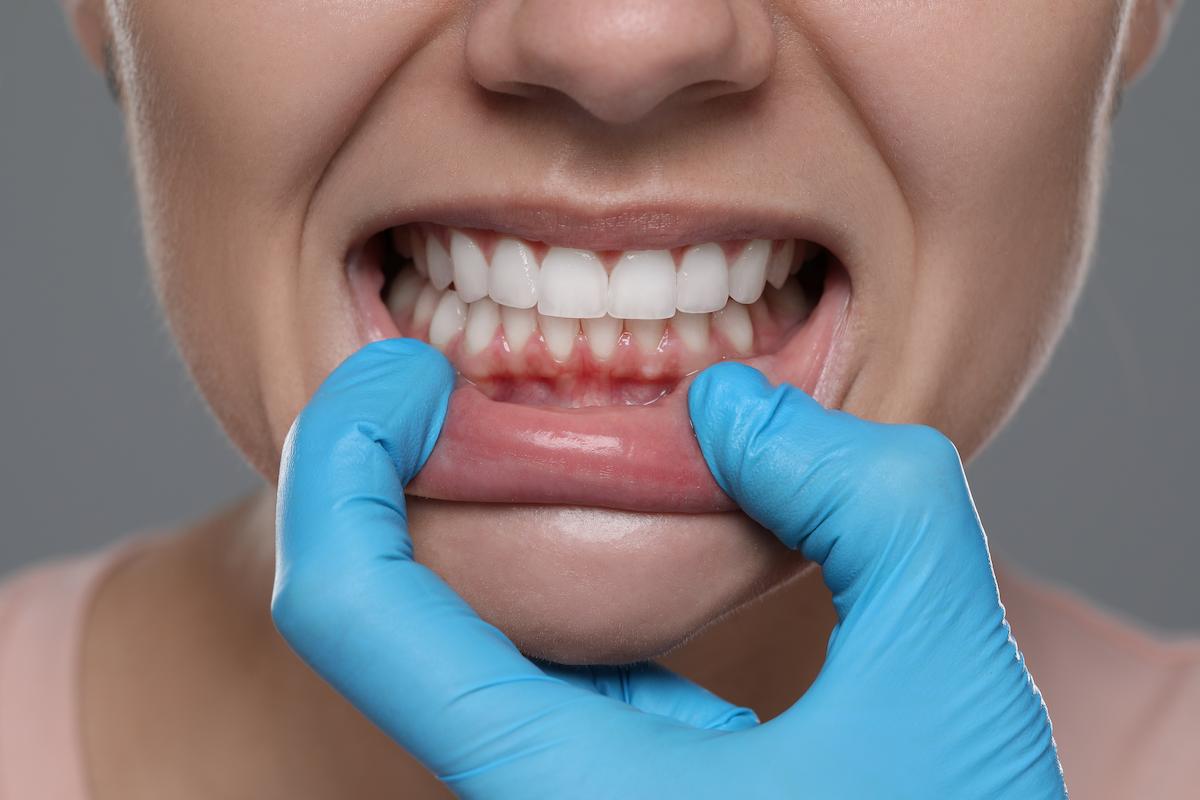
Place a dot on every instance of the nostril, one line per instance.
(620, 60)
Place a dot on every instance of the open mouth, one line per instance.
(574, 363)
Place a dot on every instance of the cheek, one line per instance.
(235, 111)
(992, 120)
(990, 117)
(966, 99)
(213, 332)
(255, 96)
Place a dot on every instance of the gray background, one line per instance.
(1094, 483)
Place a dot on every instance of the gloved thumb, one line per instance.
(844, 491)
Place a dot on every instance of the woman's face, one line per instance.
(915, 182)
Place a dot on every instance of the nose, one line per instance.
(620, 60)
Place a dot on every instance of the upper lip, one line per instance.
(645, 226)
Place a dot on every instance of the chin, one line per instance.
(580, 585)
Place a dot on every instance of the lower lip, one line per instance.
(637, 458)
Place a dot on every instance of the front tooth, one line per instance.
(427, 302)
(602, 333)
(559, 334)
(692, 330)
(441, 270)
(781, 264)
(642, 286)
(448, 320)
(572, 283)
(647, 333)
(733, 321)
(483, 317)
(748, 272)
(703, 283)
(402, 297)
(514, 275)
(519, 325)
(470, 267)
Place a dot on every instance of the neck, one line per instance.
(763, 655)
(209, 590)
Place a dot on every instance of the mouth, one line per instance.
(574, 363)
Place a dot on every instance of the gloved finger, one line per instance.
(385, 631)
(656, 690)
(886, 512)
(860, 498)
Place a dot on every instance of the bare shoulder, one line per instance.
(149, 661)
(40, 611)
(47, 616)
(189, 692)
(1125, 702)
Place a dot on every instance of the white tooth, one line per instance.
(781, 264)
(647, 333)
(470, 267)
(448, 320)
(703, 283)
(514, 275)
(519, 325)
(642, 286)
(559, 334)
(427, 301)
(748, 272)
(418, 252)
(733, 322)
(441, 271)
(602, 333)
(402, 297)
(692, 330)
(483, 317)
(572, 283)
(760, 313)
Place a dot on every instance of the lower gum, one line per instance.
(572, 392)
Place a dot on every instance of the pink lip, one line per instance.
(625, 228)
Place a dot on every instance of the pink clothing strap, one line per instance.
(42, 613)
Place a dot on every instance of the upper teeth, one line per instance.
(470, 268)
(571, 294)
(643, 284)
(703, 280)
(513, 279)
(572, 283)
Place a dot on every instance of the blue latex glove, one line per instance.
(923, 694)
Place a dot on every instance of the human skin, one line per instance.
(954, 151)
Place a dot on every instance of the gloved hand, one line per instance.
(923, 694)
